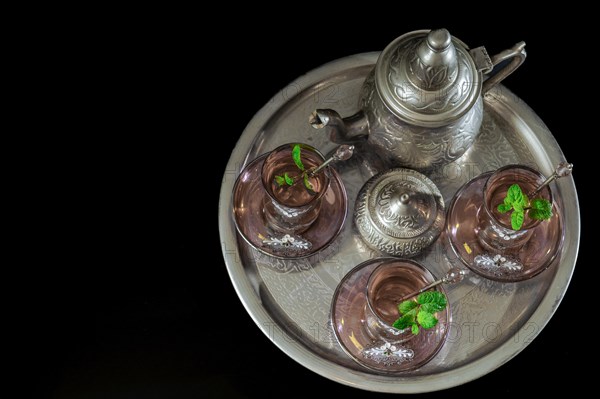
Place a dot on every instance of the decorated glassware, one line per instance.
(365, 306)
(293, 208)
(286, 211)
(483, 238)
(495, 229)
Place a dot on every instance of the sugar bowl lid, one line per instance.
(399, 212)
(428, 78)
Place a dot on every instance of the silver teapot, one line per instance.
(421, 106)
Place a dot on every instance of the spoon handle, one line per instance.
(454, 275)
(343, 153)
(563, 169)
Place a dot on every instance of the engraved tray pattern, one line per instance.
(290, 299)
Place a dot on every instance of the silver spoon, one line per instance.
(343, 153)
(454, 275)
(563, 169)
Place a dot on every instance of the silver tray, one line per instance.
(290, 299)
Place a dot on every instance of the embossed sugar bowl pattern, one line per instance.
(421, 106)
(399, 212)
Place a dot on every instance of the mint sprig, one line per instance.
(518, 202)
(420, 312)
(286, 179)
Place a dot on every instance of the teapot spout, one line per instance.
(351, 129)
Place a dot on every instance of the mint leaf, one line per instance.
(541, 204)
(413, 314)
(425, 297)
(525, 200)
(279, 180)
(402, 323)
(517, 218)
(519, 207)
(415, 329)
(439, 299)
(432, 301)
(426, 319)
(515, 195)
(307, 183)
(288, 179)
(296, 156)
(428, 297)
(434, 307)
(503, 208)
(406, 321)
(541, 209)
(406, 306)
(430, 308)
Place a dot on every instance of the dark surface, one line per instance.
(140, 304)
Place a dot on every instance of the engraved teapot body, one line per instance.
(421, 106)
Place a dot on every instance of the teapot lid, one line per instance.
(399, 212)
(428, 78)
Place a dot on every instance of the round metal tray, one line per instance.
(290, 300)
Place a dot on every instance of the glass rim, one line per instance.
(401, 263)
(310, 148)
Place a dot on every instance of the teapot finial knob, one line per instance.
(439, 39)
(434, 64)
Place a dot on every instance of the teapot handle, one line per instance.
(518, 55)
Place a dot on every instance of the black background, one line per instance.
(142, 305)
